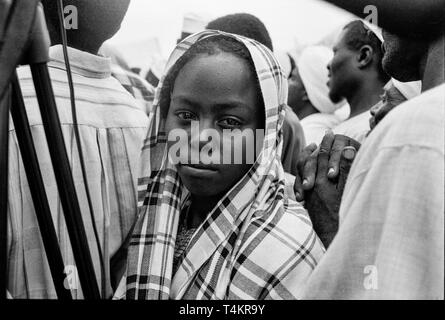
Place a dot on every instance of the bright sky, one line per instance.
(288, 21)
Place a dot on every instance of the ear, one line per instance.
(365, 55)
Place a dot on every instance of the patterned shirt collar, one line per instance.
(82, 63)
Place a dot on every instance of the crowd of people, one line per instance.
(345, 198)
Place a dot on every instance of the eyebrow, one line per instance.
(226, 106)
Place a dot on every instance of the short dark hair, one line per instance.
(209, 46)
(243, 24)
(358, 35)
(99, 20)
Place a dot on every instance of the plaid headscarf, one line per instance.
(255, 244)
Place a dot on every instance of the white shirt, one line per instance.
(390, 244)
(316, 125)
(356, 127)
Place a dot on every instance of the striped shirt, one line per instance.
(112, 128)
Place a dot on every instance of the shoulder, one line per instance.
(282, 250)
(408, 141)
(285, 232)
(417, 123)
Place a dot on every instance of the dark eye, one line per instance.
(185, 115)
(230, 123)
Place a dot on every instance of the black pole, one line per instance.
(37, 189)
(4, 138)
(65, 181)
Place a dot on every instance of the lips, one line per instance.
(199, 170)
(201, 166)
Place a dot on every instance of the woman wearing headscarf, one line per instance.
(218, 231)
(309, 93)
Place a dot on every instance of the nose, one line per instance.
(376, 108)
(200, 132)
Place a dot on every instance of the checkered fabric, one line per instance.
(137, 86)
(255, 244)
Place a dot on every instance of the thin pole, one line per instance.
(65, 181)
(4, 138)
(37, 189)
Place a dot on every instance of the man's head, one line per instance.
(357, 59)
(403, 56)
(98, 21)
(243, 24)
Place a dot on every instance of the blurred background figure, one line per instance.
(396, 92)
(244, 24)
(286, 61)
(309, 93)
(130, 79)
(192, 23)
(356, 74)
(117, 59)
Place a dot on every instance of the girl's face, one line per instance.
(217, 93)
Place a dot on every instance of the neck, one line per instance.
(307, 110)
(200, 208)
(432, 67)
(365, 96)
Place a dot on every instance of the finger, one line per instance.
(303, 156)
(323, 155)
(298, 189)
(347, 158)
(338, 145)
(310, 171)
(372, 123)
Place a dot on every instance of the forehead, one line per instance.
(340, 41)
(216, 78)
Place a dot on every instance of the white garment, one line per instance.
(390, 243)
(356, 127)
(312, 67)
(408, 89)
(316, 125)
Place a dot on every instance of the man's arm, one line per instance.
(323, 200)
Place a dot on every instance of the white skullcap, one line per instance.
(408, 89)
(193, 23)
(312, 66)
(375, 29)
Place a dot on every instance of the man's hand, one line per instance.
(324, 172)
(308, 161)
